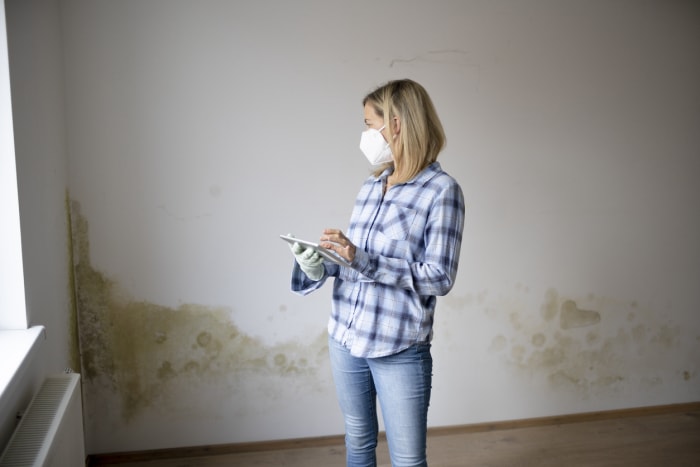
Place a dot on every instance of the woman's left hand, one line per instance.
(334, 239)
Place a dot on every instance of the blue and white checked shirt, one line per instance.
(408, 243)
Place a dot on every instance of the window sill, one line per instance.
(15, 347)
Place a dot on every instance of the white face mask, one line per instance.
(375, 147)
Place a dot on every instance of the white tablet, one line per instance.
(328, 254)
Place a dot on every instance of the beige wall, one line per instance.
(198, 131)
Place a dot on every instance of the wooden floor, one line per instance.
(652, 439)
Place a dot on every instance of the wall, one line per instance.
(36, 83)
(199, 131)
(36, 69)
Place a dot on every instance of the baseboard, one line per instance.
(566, 419)
(275, 445)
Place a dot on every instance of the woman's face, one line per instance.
(372, 119)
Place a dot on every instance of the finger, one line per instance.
(311, 258)
(334, 235)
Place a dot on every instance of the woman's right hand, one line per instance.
(335, 239)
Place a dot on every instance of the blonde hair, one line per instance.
(422, 136)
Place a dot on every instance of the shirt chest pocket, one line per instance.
(397, 221)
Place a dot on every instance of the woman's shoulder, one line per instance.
(435, 175)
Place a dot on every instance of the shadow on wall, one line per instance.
(137, 355)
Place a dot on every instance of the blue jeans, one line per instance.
(402, 382)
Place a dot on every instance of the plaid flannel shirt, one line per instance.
(408, 243)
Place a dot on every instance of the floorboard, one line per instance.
(652, 440)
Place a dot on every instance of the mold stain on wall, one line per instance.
(138, 356)
(600, 347)
(587, 345)
(73, 312)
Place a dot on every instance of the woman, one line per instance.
(403, 245)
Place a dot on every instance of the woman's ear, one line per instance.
(396, 127)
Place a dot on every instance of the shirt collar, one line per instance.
(422, 177)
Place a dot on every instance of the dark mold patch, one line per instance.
(74, 345)
(138, 355)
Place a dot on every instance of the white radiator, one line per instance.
(50, 433)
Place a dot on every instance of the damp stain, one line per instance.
(550, 307)
(498, 343)
(74, 345)
(588, 345)
(539, 339)
(571, 316)
(137, 355)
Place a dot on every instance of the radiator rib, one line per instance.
(51, 427)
